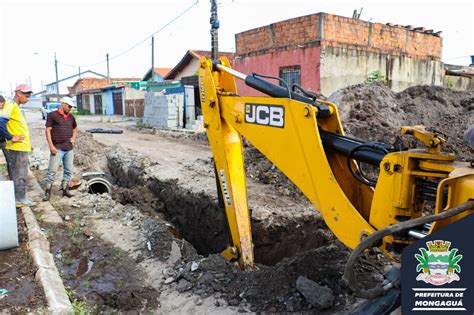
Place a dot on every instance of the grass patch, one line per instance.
(79, 307)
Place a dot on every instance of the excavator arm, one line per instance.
(304, 138)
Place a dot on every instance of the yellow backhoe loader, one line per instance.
(305, 139)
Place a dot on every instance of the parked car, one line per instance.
(48, 108)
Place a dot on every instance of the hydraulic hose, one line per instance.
(379, 290)
(371, 146)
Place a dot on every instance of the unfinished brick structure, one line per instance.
(324, 52)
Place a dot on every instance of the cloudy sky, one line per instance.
(81, 33)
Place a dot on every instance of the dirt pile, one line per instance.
(371, 111)
(275, 288)
(88, 154)
(258, 167)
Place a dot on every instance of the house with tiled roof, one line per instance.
(187, 66)
(158, 74)
(51, 91)
(104, 96)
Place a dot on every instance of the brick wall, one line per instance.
(338, 31)
(385, 39)
(303, 29)
(345, 30)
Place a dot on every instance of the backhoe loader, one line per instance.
(305, 139)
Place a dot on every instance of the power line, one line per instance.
(136, 45)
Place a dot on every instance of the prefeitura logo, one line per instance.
(438, 264)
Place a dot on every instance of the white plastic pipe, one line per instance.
(8, 222)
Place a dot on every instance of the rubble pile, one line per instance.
(308, 281)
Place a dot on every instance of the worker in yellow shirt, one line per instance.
(18, 142)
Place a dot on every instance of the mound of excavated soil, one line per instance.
(372, 111)
(87, 152)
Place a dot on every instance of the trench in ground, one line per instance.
(198, 218)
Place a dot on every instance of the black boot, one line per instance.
(65, 189)
(47, 191)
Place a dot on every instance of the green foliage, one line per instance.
(67, 260)
(79, 307)
(140, 123)
(118, 252)
(77, 233)
(39, 217)
(86, 284)
(376, 76)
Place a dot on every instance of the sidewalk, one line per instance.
(47, 275)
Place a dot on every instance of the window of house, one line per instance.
(291, 75)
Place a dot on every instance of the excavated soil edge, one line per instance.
(198, 218)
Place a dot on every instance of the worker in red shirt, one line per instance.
(61, 133)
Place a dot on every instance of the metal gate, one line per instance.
(98, 104)
(79, 101)
(117, 96)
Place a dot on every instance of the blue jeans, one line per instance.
(65, 158)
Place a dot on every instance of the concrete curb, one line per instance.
(39, 247)
(47, 274)
(49, 215)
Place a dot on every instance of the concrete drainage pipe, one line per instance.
(8, 221)
(99, 185)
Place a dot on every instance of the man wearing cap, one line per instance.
(61, 132)
(18, 143)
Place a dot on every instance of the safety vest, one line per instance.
(16, 126)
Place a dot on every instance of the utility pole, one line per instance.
(214, 27)
(57, 80)
(79, 73)
(108, 69)
(152, 57)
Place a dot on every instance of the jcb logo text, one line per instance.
(267, 115)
